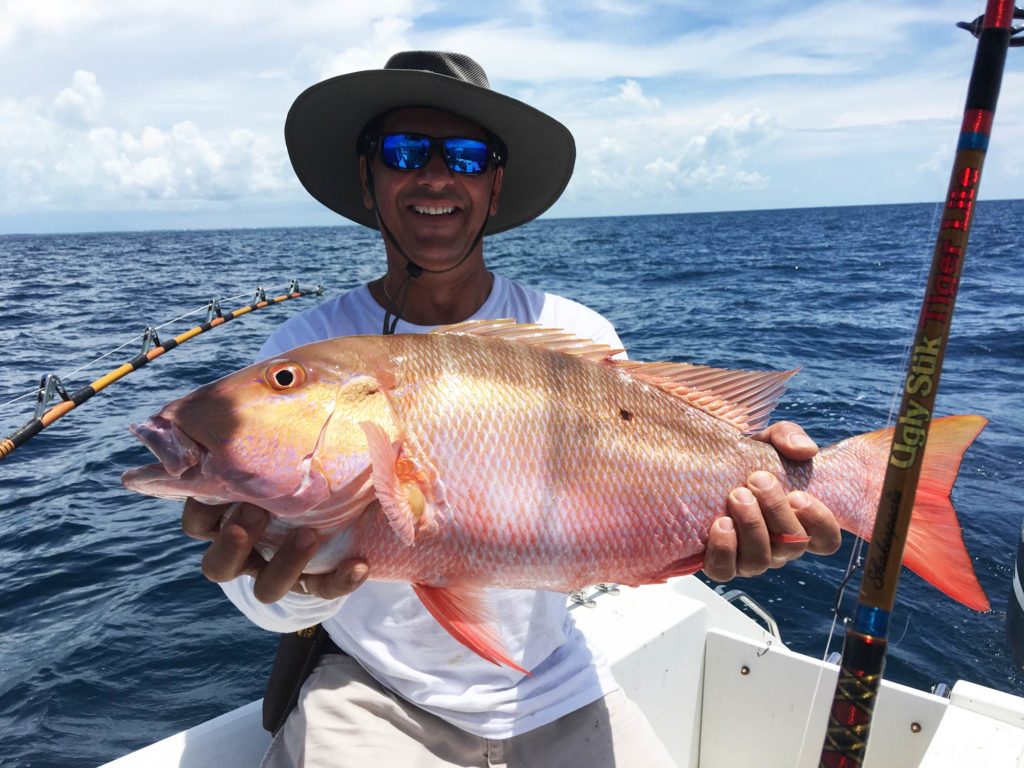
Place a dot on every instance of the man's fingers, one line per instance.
(229, 554)
(790, 440)
(720, 558)
(341, 581)
(818, 521)
(285, 568)
(779, 518)
(754, 549)
(202, 521)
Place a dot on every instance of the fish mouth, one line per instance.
(173, 447)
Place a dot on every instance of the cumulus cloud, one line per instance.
(659, 156)
(58, 156)
(81, 102)
(714, 157)
(631, 94)
(666, 100)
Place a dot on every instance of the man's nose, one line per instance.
(436, 170)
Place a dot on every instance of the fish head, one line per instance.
(283, 434)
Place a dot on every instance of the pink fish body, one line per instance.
(493, 454)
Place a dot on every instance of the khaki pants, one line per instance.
(346, 719)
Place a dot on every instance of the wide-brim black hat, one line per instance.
(323, 127)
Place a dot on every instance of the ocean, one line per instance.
(110, 638)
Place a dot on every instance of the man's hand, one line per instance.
(739, 544)
(231, 554)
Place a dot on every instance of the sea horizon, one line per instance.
(334, 220)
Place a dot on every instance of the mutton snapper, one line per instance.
(491, 454)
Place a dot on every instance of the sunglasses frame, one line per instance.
(374, 144)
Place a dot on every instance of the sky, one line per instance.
(156, 114)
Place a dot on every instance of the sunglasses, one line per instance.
(412, 151)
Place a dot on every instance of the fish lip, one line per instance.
(176, 450)
(142, 479)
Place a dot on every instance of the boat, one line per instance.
(720, 688)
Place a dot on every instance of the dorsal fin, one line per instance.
(534, 335)
(744, 399)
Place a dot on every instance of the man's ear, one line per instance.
(364, 183)
(499, 174)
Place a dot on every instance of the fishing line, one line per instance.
(856, 559)
(864, 650)
(135, 339)
(863, 658)
(51, 385)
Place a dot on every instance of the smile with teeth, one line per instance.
(432, 210)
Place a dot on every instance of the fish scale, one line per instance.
(527, 478)
(496, 455)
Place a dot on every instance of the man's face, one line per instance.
(433, 212)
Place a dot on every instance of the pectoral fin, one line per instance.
(462, 611)
(399, 486)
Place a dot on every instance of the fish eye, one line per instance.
(285, 374)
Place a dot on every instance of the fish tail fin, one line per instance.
(935, 548)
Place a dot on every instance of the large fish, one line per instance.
(496, 454)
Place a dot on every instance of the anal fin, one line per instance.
(462, 612)
(683, 567)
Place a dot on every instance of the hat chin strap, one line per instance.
(393, 314)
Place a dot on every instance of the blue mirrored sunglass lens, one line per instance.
(465, 155)
(404, 151)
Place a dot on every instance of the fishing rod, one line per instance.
(51, 387)
(864, 649)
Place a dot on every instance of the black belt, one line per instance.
(297, 655)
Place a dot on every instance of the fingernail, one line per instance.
(742, 496)
(798, 500)
(801, 441)
(304, 537)
(725, 524)
(762, 480)
(359, 572)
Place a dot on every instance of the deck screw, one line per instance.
(744, 670)
(915, 727)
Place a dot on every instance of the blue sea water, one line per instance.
(110, 638)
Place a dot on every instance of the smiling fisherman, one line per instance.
(424, 151)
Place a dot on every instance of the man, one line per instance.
(424, 151)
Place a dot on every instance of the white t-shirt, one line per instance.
(385, 627)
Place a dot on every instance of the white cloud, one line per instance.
(714, 157)
(939, 160)
(19, 16)
(631, 93)
(53, 159)
(619, 7)
(309, 17)
(385, 35)
(80, 103)
(666, 99)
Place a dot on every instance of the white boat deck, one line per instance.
(720, 692)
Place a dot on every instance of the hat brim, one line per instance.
(323, 127)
